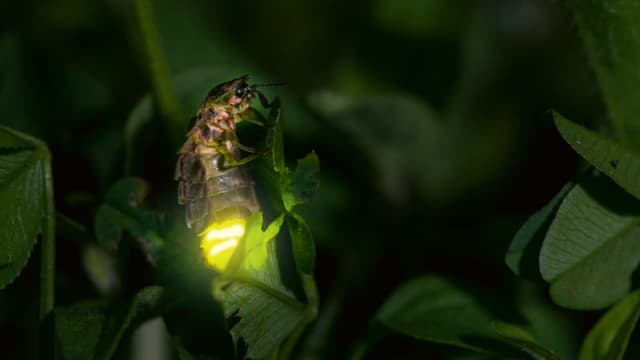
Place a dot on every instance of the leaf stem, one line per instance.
(47, 269)
(47, 265)
(159, 73)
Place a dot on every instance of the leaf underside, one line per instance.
(591, 249)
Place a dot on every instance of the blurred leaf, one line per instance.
(620, 164)
(522, 256)
(608, 339)
(78, 329)
(23, 194)
(121, 211)
(521, 339)
(302, 184)
(591, 248)
(417, 17)
(554, 327)
(416, 154)
(252, 292)
(101, 269)
(611, 34)
(391, 148)
(189, 42)
(431, 309)
(191, 45)
(145, 305)
(17, 89)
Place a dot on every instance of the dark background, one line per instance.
(450, 148)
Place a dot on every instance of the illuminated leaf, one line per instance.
(430, 308)
(24, 163)
(121, 211)
(591, 249)
(622, 165)
(609, 338)
(252, 292)
(610, 31)
(522, 256)
(298, 188)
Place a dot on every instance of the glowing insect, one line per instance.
(213, 183)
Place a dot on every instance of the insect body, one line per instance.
(213, 185)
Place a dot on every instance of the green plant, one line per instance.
(426, 133)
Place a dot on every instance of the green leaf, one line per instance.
(523, 340)
(24, 197)
(121, 211)
(300, 187)
(608, 339)
(78, 329)
(420, 18)
(252, 291)
(430, 308)
(622, 165)
(146, 304)
(522, 256)
(611, 34)
(304, 249)
(553, 326)
(591, 248)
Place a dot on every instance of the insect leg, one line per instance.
(243, 161)
(245, 148)
(263, 100)
(255, 117)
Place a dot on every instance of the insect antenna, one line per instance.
(257, 86)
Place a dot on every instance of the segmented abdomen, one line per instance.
(211, 192)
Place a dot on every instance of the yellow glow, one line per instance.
(220, 240)
(235, 230)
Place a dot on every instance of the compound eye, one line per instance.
(241, 91)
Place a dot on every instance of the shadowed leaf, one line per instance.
(622, 165)
(610, 31)
(522, 256)
(430, 308)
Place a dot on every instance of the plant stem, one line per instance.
(47, 266)
(46, 338)
(311, 311)
(159, 74)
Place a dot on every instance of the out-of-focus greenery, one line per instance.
(431, 123)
